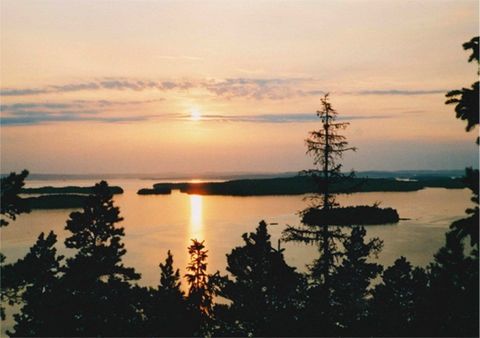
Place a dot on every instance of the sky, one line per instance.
(190, 87)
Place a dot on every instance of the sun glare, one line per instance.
(196, 217)
(195, 115)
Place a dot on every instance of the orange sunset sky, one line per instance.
(216, 86)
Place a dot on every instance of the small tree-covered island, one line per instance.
(86, 279)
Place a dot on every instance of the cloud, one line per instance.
(269, 88)
(229, 88)
(78, 110)
(401, 92)
(278, 118)
(34, 117)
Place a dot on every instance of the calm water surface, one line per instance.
(155, 224)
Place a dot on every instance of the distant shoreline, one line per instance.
(299, 185)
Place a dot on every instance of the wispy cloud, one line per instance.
(269, 88)
(34, 117)
(77, 110)
(278, 118)
(229, 88)
(401, 92)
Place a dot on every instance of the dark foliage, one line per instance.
(266, 294)
(351, 283)
(453, 293)
(396, 300)
(166, 307)
(38, 277)
(11, 204)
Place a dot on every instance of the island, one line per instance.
(68, 190)
(299, 185)
(69, 197)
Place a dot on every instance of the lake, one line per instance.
(157, 223)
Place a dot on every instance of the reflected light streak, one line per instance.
(196, 217)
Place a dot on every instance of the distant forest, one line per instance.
(344, 293)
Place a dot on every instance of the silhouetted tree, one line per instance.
(200, 293)
(396, 300)
(466, 103)
(327, 147)
(97, 284)
(466, 99)
(39, 273)
(351, 282)
(11, 204)
(167, 308)
(266, 294)
(453, 294)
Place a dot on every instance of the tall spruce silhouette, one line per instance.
(97, 284)
(327, 147)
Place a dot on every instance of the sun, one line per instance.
(195, 115)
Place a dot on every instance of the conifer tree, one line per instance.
(327, 147)
(351, 282)
(466, 102)
(39, 273)
(200, 293)
(396, 300)
(167, 309)
(453, 293)
(11, 204)
(97, 284)
(266, 293)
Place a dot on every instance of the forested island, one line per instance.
(69, 197)
(67, 190)
(299, 185)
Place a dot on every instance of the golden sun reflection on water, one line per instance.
(196, 217)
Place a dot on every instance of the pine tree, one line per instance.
(396, 300)
(39, 273)
(11, 204)
(167, 309)
(351, 282)
(98, 285)
(453, 294)
(467, 108)
(200, 293)
(266, 293)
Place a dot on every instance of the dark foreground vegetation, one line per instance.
(300, 185)
(92, 293)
